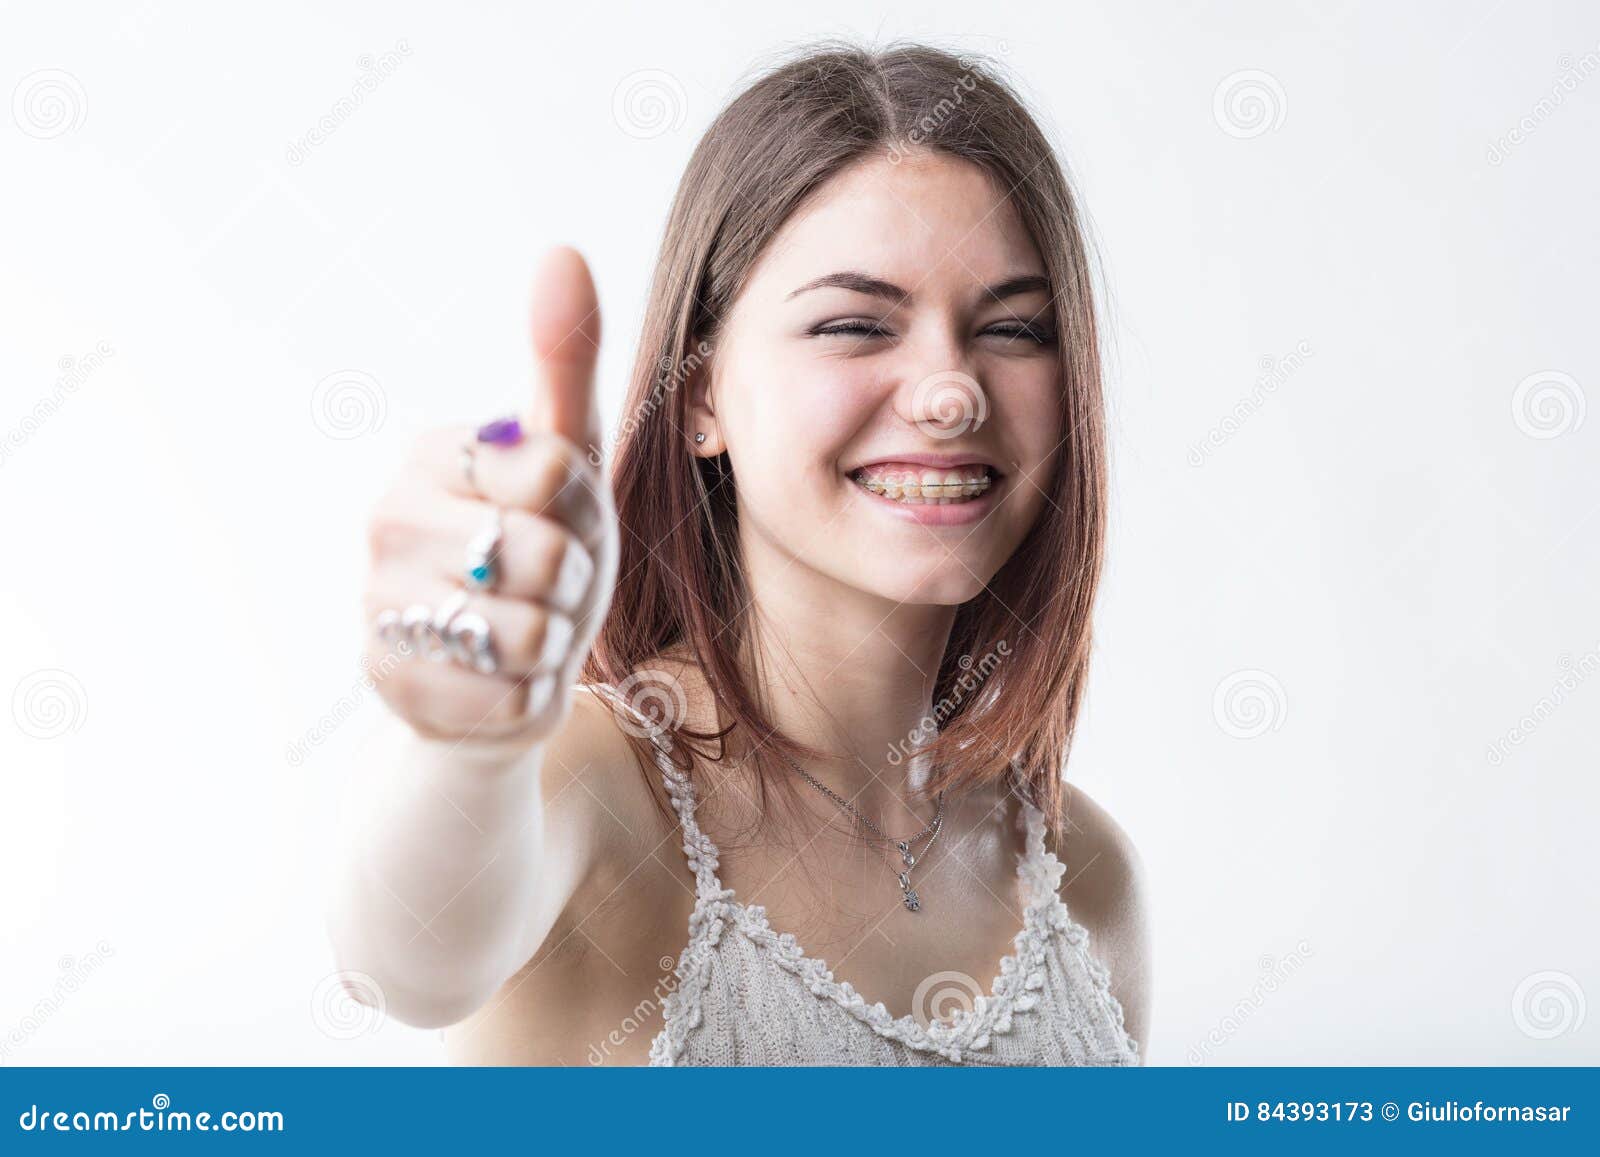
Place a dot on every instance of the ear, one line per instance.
(701, 416)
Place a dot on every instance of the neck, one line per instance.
(851, 675)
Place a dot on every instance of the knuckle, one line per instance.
(546, 563)
(546, 479)
(579, 566)
(563, 471)
(529, 636)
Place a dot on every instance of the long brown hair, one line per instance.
(1011, 682)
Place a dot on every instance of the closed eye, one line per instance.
(854, 327)
(1012, 331)
(864, 328)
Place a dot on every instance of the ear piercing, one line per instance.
(700, 438)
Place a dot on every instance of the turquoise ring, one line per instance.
(483, 556)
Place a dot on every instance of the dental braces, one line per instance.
(981, 484)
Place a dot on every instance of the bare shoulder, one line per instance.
(592, 770)
(1104, 890)
(602, 744)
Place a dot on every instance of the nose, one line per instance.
(939, 393)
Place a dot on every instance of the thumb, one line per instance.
(565, 328)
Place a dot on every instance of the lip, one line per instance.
(956, 514)
(944, 461)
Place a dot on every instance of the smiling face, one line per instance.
(887, 384)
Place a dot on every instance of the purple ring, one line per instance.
(501, 432)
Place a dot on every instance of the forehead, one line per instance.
(924, 218)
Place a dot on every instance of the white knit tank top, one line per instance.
(745, 994)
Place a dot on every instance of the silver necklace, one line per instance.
(908, 858)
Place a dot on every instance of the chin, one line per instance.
(940, 583)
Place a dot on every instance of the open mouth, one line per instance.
(926, 486)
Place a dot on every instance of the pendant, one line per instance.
(912, 903)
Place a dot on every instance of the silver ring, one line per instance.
(450, 632)
(439, 627)
(387, 626)
(483, 555)
(416, 624)
(470, 644)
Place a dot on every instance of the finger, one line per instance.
(550, 477)
(528, 639)
(545, 475)
(447, 701)
(565, 329)
(539, 560)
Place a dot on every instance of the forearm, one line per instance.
(451, 877)
(440, 891)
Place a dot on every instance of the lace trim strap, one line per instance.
(698, 849)
(1042, 871)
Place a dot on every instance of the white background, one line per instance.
(1396, 547)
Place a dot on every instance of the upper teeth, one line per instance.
(925, 484)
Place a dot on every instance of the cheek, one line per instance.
(1031, 433)
(1030, 415)
(789, 423)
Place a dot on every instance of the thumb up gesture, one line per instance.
(494, 553)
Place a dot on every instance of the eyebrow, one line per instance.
(857, 282)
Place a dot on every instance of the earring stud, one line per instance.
(699, 439)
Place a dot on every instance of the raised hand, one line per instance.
(496, 647)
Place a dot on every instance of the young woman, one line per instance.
(752, 752)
